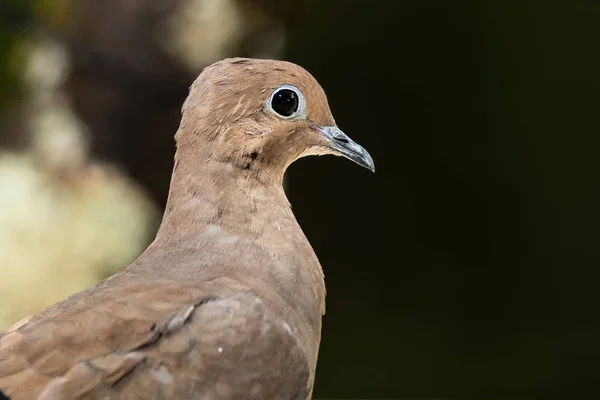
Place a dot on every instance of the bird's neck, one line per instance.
(221, 222)
(210, 199)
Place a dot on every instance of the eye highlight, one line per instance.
(287, 102)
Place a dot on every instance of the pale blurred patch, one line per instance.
(58, 237)
(66, 222)
(201, 32)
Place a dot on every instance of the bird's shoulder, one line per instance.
(155, 340)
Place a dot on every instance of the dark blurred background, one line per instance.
(466, 267)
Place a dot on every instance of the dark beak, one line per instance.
(340, 143)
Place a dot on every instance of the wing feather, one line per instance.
(156, 341)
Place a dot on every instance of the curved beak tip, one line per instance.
(340, 143)
(369, 164)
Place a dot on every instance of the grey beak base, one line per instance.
(343, 145)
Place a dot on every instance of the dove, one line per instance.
(227, 301)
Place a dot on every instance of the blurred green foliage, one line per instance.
(16, 17)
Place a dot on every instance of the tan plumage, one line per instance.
(226, 303)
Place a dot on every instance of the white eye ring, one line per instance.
(300, 113)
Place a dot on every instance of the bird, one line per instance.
(227, 301)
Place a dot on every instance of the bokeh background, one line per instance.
(466, 267)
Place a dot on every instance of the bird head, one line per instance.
(264, 115)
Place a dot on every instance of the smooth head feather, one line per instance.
(226, 105)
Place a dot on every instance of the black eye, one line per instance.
(285, 102)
